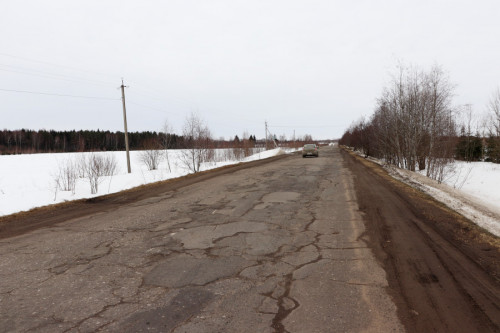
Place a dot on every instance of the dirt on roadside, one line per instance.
(443, 270)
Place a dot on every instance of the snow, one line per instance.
(28, 181)
(471, 189)
(480, 179)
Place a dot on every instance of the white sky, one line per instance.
(309, 66)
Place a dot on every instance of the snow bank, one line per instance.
(27, 181)
(471, 189)
(479, 179)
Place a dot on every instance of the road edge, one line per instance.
(22, 222)
(465, 229)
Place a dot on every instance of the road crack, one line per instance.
(284, 306)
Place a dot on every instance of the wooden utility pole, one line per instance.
(266, 134)
(125, 126)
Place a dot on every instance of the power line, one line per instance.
(53, 76)
(22, 68)
(152, 94)
(59, 95)
(150, 107)
(52, 64)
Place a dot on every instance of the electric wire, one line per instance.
(139, 89)
(58, 95)
(151, 91)
(52, 64)
(150, 107)
(53, 77)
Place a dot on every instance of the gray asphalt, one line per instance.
(280, 247)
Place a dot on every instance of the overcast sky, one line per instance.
(309, 66)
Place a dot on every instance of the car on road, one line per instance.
(310, 150)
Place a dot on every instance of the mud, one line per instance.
(443, 270)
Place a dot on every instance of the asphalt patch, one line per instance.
(188, 303)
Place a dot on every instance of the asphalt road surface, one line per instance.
(328, 244)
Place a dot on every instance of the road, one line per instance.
(326, 244)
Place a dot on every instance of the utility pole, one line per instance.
(125, 126)
(266, 133)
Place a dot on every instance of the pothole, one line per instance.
(280, 197)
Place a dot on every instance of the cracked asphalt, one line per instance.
(279, 247)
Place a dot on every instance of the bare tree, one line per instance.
(413, 125)
(237, 150)
(95, 166)
(66, 176)
(152, 155)
(439, 140)
(493, 142)
(494, 110)
(151, 158)
(167, 141)
(94, 170)
(92, 166)
(198, 141)
(414, 115)
(110, 167)
(247, 144)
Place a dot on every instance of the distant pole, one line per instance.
(266, 133)
(125, 126)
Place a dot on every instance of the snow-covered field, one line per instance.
(28, 181)
(472, 189)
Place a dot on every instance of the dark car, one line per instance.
(310, 150)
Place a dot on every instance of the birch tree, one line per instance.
(413, 124)
(198, 141)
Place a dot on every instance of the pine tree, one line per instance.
(493, 149)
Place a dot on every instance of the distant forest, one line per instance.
(29, 141)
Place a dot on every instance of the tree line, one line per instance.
(26, 141)
(415, 125)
